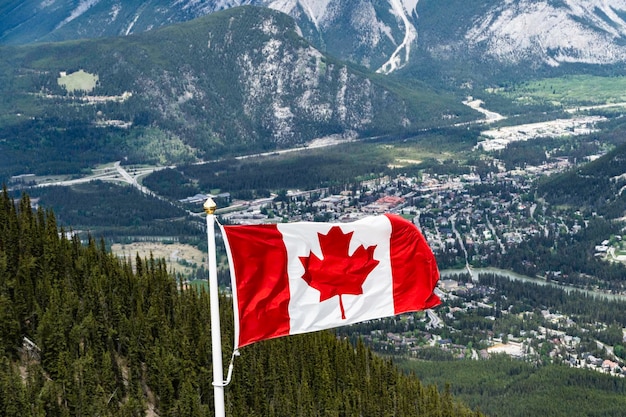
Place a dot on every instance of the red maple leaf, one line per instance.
(338, 272)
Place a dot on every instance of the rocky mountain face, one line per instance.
(382, 35)
(242, 80)
(545, 33)
(366, 32)
(251, 78)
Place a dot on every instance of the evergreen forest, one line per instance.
(508, 387)
(83, 333)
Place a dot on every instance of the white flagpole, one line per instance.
(216, 340)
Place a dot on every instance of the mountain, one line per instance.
(238, 81)
(385, 35)
(366, 32)
(528, 35)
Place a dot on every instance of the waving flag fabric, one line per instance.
(301, 277)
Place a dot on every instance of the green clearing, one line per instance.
(200, 284)
(417, 150)
(78, 81)
(567, 91)
(160, 147)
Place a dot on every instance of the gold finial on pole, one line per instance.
(216, 339)
(209, 206)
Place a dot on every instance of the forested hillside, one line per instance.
(239, 81)
(599, 185)
(83, 333)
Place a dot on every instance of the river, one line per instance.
(517, 277)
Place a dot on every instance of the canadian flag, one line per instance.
(301, 277)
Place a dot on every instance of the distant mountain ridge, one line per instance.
(548, 33)
(365, 32)
(383, 35)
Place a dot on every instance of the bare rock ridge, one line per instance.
(380, 35)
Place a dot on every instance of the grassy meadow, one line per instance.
(567, 91)
(78, 81)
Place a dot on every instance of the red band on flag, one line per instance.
(262, 290)
(415, 272)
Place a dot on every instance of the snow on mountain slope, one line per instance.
(376, 38)
(82, 7)
(409, 5)
(315, 9)
(410, 35)
(582, 31)
(357, 32)
(379, 34)
(369, 32)
(594, 9)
